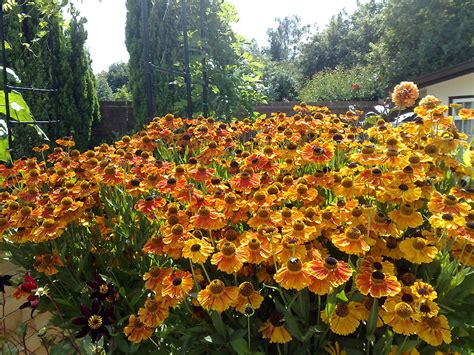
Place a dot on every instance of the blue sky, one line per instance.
(106, 22)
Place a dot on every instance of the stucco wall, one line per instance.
(460, 86)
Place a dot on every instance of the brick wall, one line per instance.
(117, 119)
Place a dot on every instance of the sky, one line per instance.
(106, 22)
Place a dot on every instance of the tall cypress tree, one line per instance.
(45, 54)
(233, 73)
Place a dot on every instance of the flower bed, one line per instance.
(303, 233)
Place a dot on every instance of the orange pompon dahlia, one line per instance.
(292, 275)
(352, 241)
(136, 331)
(46, 263)
(401, 316)
(154, 278)
(154, 312)
(248, 297)
(377, 284)
(245, 181)
(197, 250)
(434, 330)
(208, 219)
(317, 152)
(229, 259)
(406, 216)
(418, 250)
(177, 284)
(217, 296)
(275, 330)
(405, 94)
(337, 272)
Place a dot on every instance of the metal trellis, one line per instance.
(186, 73)
(7, 88)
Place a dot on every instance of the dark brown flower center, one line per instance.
(342, 310)
(228, 249)
(94, 322)
(177, 281)
(216, 287)
(330, 262)
(403, 310)
(294, 265)
(246, 289)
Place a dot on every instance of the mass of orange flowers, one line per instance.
(245, 218)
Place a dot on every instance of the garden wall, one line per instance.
(117, 119)
(334, 106)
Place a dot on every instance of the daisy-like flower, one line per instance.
(292, 275)
(154, 278)
(401, 316)
(417, 250)
(434, 330)
(336, 272)
(177, 284)
(197, 250)
(377, 284)
(316, 152)
(248, 297)
(344, 319)
(208, 219)
(245, 181)
(94, 321)
(423, 291)
(217, 296)
(407, 192)
(46, 263)
(275, 330)
(154, 312)
(406, 216)
(447, 204)
(136, 331)
(229, 259)
(257, 251)
(352, 241)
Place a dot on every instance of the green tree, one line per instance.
(346, 40)
(104, 92)
(117, 76)
(42, 48)
(286, 39)
(422, 36)
(234, 78)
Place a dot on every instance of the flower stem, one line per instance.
(205, 272)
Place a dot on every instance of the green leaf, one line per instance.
(372, 321)
(342, 296)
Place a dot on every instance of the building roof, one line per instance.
(445, 74)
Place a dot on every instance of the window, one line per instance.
(466, 126)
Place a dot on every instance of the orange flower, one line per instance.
(316, 152)
(400, 316)
(245, 181)
(418, 250)
(154, 312)
(406, 216)
(197, 250)
(47, 263)
(352, 241)
(275, 330)
(136, 331)
(154, 278)
(208, 219)
(217, 296)
(405, 94)
(293, 275)
(177, 284)
(377, 284)
(336, 272)
(229, 259)
(248, 297)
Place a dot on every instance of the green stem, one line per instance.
(248, 332)
(205, 272)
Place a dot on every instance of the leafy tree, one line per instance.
(122, 94)
(104, 92)
(286, 39)
(346, 40)
(422, 36)
(282, 80)
(234, 80)
(117, 76)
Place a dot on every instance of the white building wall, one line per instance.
(460, 86)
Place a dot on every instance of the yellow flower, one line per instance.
(417, 250)
(405, 94)
(434, 330)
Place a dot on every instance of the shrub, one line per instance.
(341, 84)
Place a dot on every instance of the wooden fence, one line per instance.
(335, 106)
(13, 317)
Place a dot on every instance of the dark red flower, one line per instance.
(94, 321)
